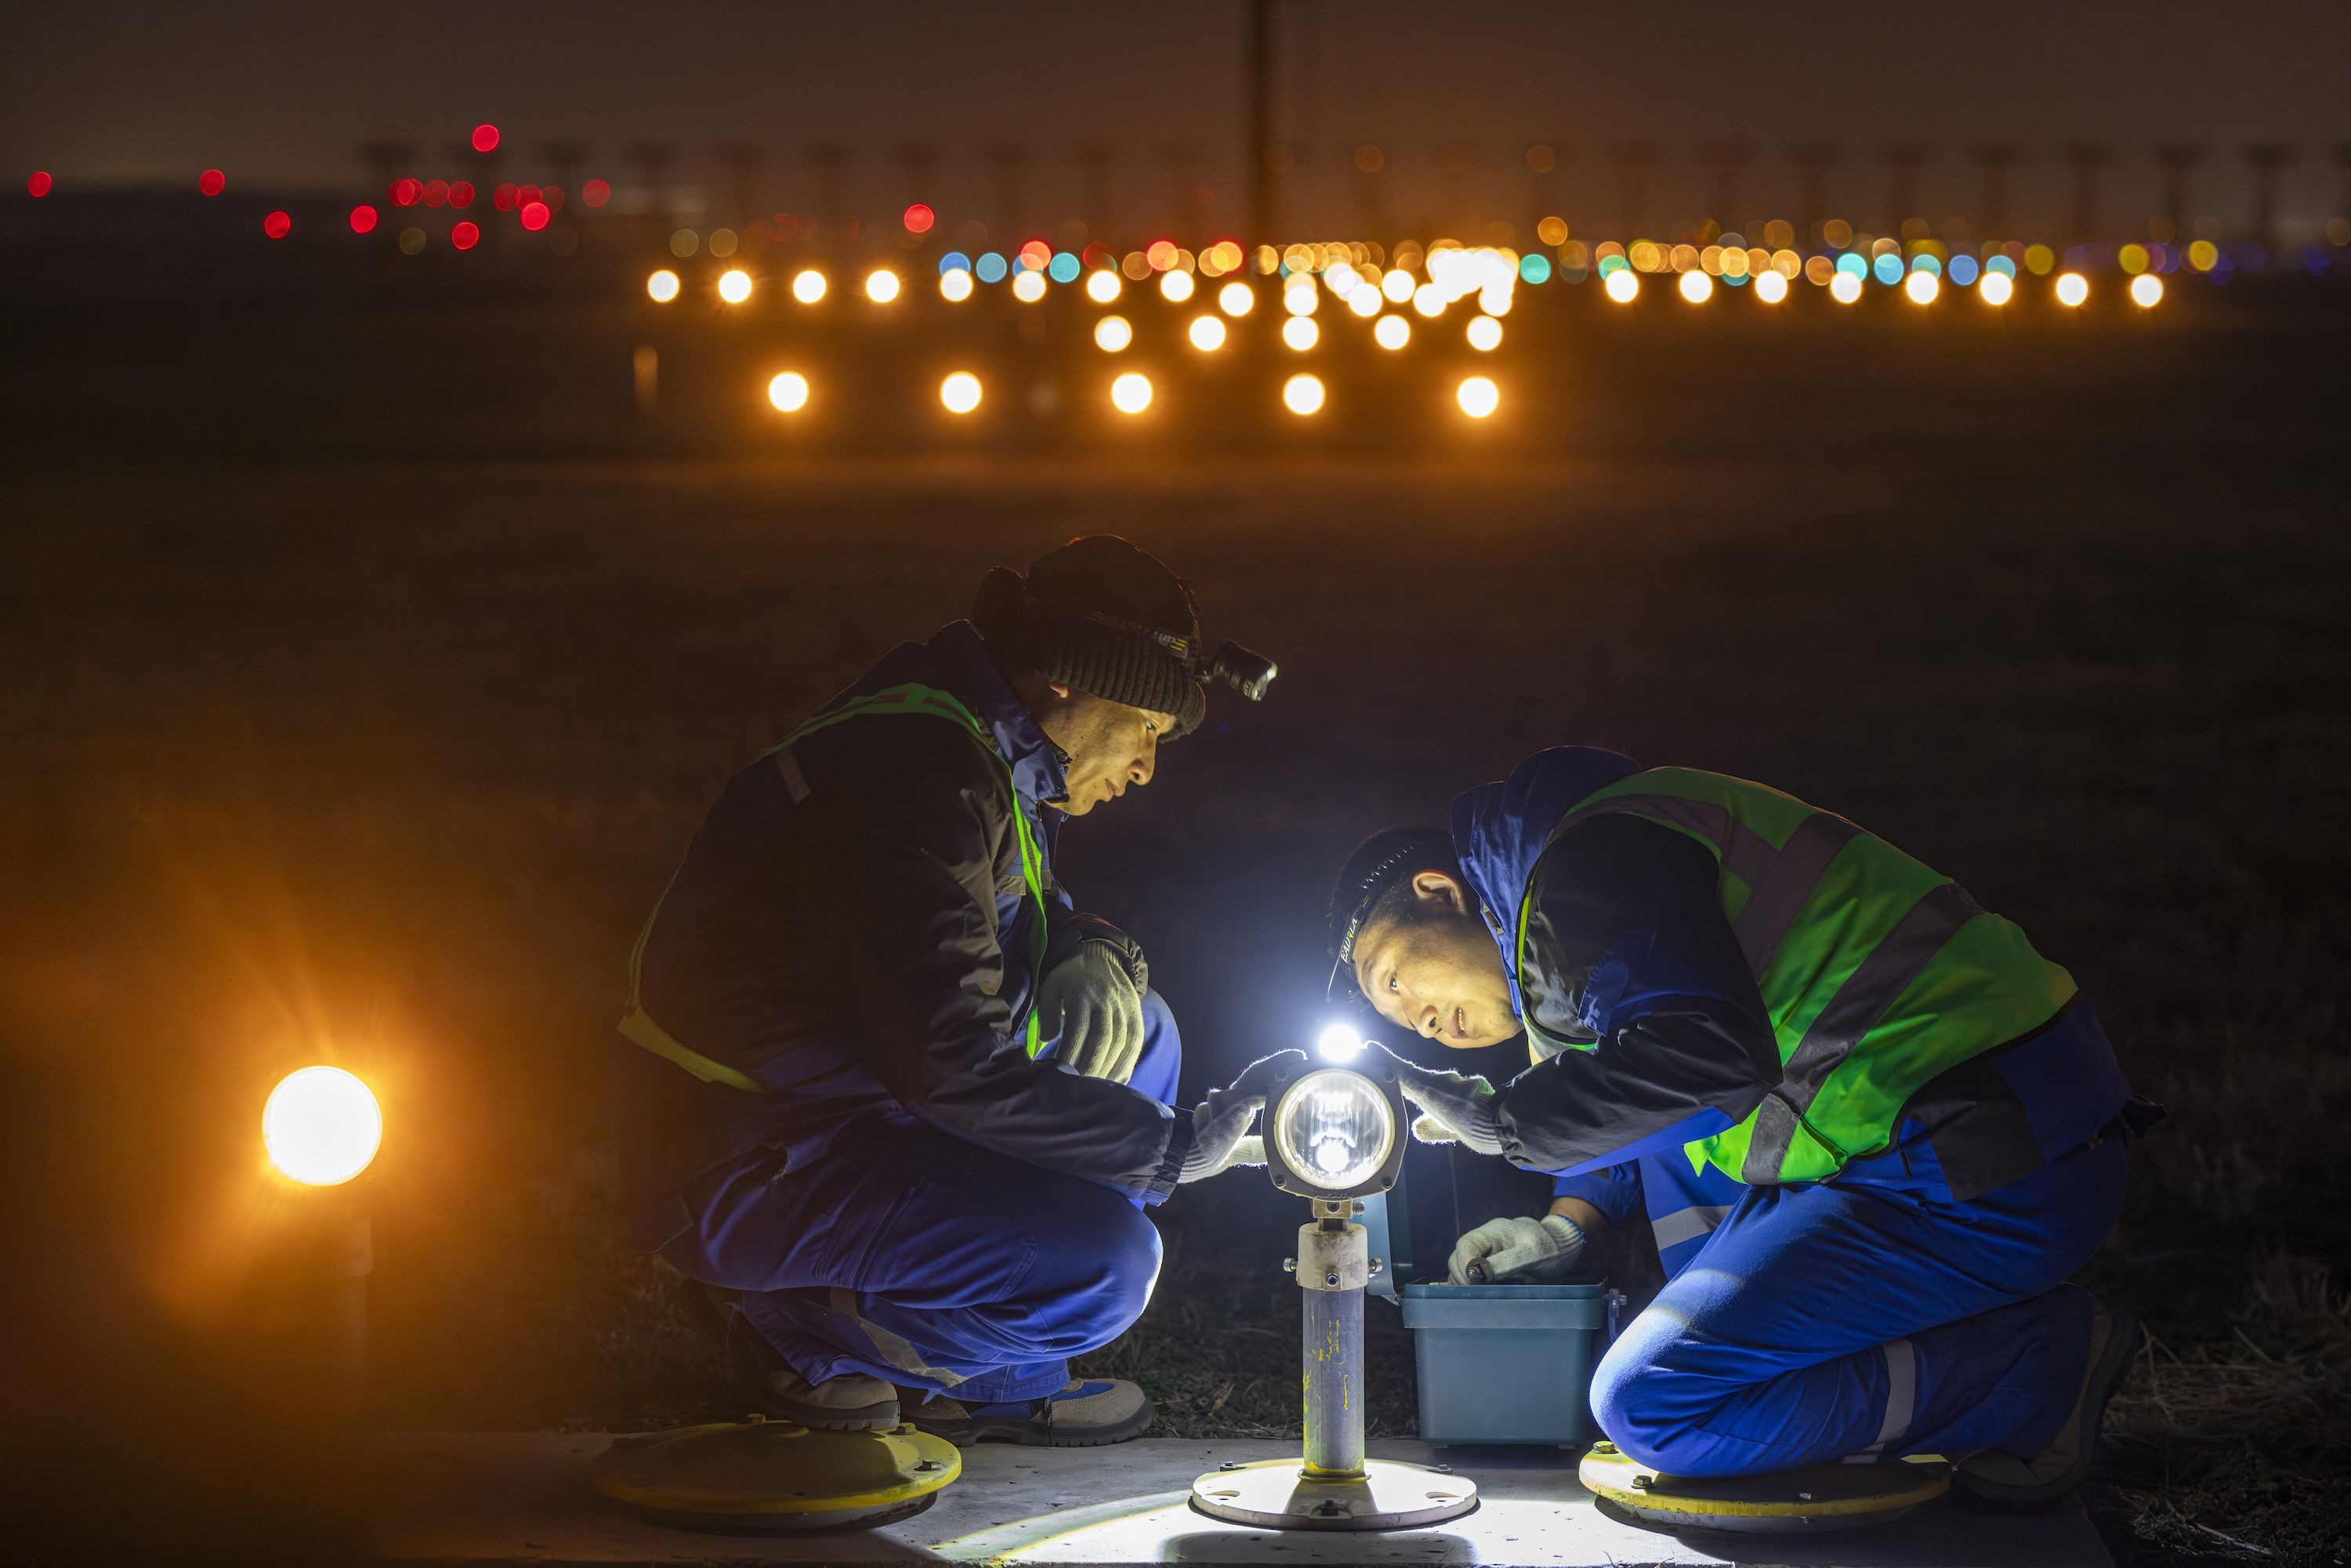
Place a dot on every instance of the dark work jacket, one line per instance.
(1627, 946)
(868, 945)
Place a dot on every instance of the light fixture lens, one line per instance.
(1478, 396)
(321, 1126)
(1485, 333)
(788, 392)
(1335, 1128)
(1300, 332)
(808, 286)
(1113, 333)
(2071, 290)
(954, 284)
(662, 287)
(1102, 285)
(2146, 290)
(734, 285)
(1392, 333)
(1130, 393)
(1995, 288)
(1303, 394)
(1236, 298)
(1207, 333)
(882, 286)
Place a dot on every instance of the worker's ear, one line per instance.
(1439, 893)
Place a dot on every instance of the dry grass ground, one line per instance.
(385, 762)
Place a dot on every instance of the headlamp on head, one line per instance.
(1335, 1132)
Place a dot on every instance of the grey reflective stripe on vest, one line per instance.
(1686, 1224)
(1781, 894)
(1852, 1012)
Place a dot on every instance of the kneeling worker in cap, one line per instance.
(883, 1089)
(1873, 1129)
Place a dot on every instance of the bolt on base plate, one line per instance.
(1277, 1494)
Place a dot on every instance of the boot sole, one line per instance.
(2105, 1380)
(871, 1418)
(1028, 1434)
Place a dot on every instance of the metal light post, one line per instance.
(1334, 1134)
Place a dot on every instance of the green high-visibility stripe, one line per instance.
(639, 1027)
(1876, 971)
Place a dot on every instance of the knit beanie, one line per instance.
(1056, 621)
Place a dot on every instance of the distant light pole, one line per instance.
(1813, 160)
(2175, 158)
(2089, 158)
(1994, 160)
(1903, 162)
(2267, 159)
(1631, 161)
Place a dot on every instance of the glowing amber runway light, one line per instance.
(808, 286)
(1303, 394)
(2146, 290)
(960, 392)
(321, 1126)
(734, 286)
(1995, 288)
(788, 392)
(1478, 396)
(2071, 290)
(882, 286)
(1130, 393)
(1622, 285)
(661, 285)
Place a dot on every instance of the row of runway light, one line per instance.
(1381, 295)
(961, 392)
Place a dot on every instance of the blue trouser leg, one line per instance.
(911, 1255)
(1847, 1321)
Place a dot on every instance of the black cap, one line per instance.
(1104, 617)
(1379, 864)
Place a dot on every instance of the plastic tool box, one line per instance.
(1498, 1363)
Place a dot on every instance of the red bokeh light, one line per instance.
(407, 191)
(784, 226)
(486, 138)
(362, 219)
(1037, 253)
(461, 193)
(464, 235)
(436, 193)
(529, 194)
(1098, 254)
(596, 192)
(534, 215)
(553, 197)
(507, 197)
(40, 183)
(212, 181)
(919, 218)
(276, 225)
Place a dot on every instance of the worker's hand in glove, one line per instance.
(1090, 1003)
(1518, 1251)
(1453, 1109)
(1220, 1123)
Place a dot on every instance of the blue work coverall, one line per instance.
(912, 1197)
(1891, 1310)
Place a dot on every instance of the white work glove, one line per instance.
(1453, 1109)
(1090, 1003)
(1220, 1123)
(1517, 1251)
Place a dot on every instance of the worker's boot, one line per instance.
(1083, 1414)
(850, 1402)
(2000, 1481)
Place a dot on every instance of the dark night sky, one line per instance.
(280, 94)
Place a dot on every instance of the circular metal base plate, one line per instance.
(1787, 1503)
(762, 1475)
(1277, 1494)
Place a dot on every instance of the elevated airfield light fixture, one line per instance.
(1102, 285)
(2072, 289)
(1697, 288)
(954, 284)
(960, 392)
(1301, 333)
(1922, 287)
(1303, 395)
(1335, 1132)
(1028, 285)
(1771, 287)
(321, 1126)
(807, 286)
(1477, 395)
(1845, 287)
(1176, 285)
(1112, 334)
(1129, 394)
(788, 392)
(2146, 290)
(1236, 298)
(1623, 286)
(662, 287)
(1392, 333)
(1995, 288)
(734, 286)
(882, 286)
(1207, 332)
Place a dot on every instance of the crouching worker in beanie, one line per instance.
(881, 1088)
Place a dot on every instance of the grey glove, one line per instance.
(1220, 1123)
(1517, 1251)
(1453, 1109)
(1091, 1002)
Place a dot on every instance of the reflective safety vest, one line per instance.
(638, 1026)
(1878, 972)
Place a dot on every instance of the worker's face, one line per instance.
(1439, 976)
(1111, 748)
